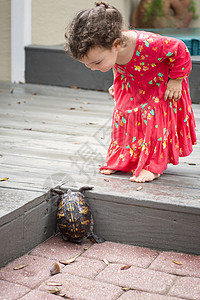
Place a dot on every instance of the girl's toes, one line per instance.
(144, 176)
(132, 178)
(107, 171)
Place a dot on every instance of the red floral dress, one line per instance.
(147, 131)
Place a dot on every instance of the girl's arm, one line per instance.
(179, 66)
(174, 53)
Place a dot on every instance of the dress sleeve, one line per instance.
(173, 52)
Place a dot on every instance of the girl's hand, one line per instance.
(174, 87)
(111, 91)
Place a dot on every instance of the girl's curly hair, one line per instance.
(99, 26)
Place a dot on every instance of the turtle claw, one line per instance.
(85, 188)
(57, 191)
(95, 239)
(65, 238)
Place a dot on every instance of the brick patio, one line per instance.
(97, 273)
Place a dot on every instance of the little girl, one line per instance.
(153, 122)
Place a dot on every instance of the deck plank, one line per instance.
(44, 136)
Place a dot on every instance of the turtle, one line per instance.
(74, 217)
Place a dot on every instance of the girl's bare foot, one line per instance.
(107, 171)
(145, 176)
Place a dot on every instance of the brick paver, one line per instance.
(121, 253)
(36, 271)
(137, 278)
(58, 249)
(39, 295)
(96, 273)
(177, 263)
(9, 290)
(84, 289)
(186, 287)
(85, 267)
(138, 295)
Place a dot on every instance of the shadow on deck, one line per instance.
(52, 136)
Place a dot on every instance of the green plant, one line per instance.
(192, 8)
(153, 9)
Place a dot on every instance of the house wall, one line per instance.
(49, 19)
(5, 35)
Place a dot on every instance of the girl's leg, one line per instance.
(145, 176)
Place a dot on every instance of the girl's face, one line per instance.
(101, 59)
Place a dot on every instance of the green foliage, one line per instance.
(154, 8)
(192, 8)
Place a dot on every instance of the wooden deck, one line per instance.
(51, 136)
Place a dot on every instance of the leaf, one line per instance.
(54, 291)
(86, 248)
(125, 267)
(69, 261)
(93, 123)
(125, 289)
(72, 108)
(191, 164)
(106, 261)
(177, 262)
(19, 267)
(4, 179)
(53, 283)
(139, 188)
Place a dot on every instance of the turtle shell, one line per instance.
(73, 216)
